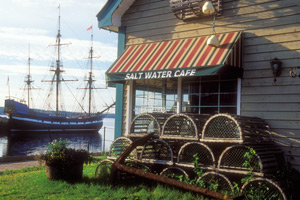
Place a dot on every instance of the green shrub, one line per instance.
(58, 153)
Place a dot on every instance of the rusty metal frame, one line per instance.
(119, 166)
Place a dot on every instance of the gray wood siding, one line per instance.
(271, 29)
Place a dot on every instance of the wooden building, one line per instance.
(165, 64)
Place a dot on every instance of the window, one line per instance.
(155, 96)
(209, 95)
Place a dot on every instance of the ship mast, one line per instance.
(57, 71)
(90, 80)
(58, 68)
(28, 80)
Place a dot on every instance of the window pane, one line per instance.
(155, 96)
(210, 87)
(228, 99)
(171, 97)
(209, 95)
(185, 98)
(194, 87)
(228, 86)
(209, 99)
(191, 109)
(194, 100)
(158, 97)
(191, 87)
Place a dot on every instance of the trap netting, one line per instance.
(184, 126)
(118, 146)
(262, 188)
(235, 129)
(195, 153)
(175, 173)
(147, 122)
(157, 152)
(216, 182)
(239, 158)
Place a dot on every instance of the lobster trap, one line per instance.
(262, 188)
(157, 151)
(190, 9)
(225, 128)
(145, 123)
(118, 146)
(196, 153)
(221, 147)
(218, 182)
(183, 127)
(174, 173)
(238, 158)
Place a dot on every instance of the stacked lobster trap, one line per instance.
(218, 145)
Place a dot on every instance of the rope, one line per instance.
(75, 98)
(213, 26)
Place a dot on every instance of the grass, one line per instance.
(31, 183)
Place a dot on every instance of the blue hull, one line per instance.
(23, 119)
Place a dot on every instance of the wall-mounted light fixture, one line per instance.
(276, 67)
(213, 40)
(208, 8)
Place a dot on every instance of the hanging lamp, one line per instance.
(213, 40)
(208, 8)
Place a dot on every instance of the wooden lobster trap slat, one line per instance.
(184, 126)
(238, 159)
(227, 128)
(157, 151)
(147, 122)
(118, 146)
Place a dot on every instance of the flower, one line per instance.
(58, 153)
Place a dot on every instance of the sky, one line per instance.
(28, 28)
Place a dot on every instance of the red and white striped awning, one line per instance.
(186, 57)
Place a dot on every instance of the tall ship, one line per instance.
(23, 118)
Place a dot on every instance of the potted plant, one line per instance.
(64, 163)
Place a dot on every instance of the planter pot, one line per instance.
(61, 172)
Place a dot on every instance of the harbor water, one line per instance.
(19, 144)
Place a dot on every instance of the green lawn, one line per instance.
(31, 183)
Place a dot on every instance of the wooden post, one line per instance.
(179, 95)
(104, 139)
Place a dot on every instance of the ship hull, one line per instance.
(22, 119)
